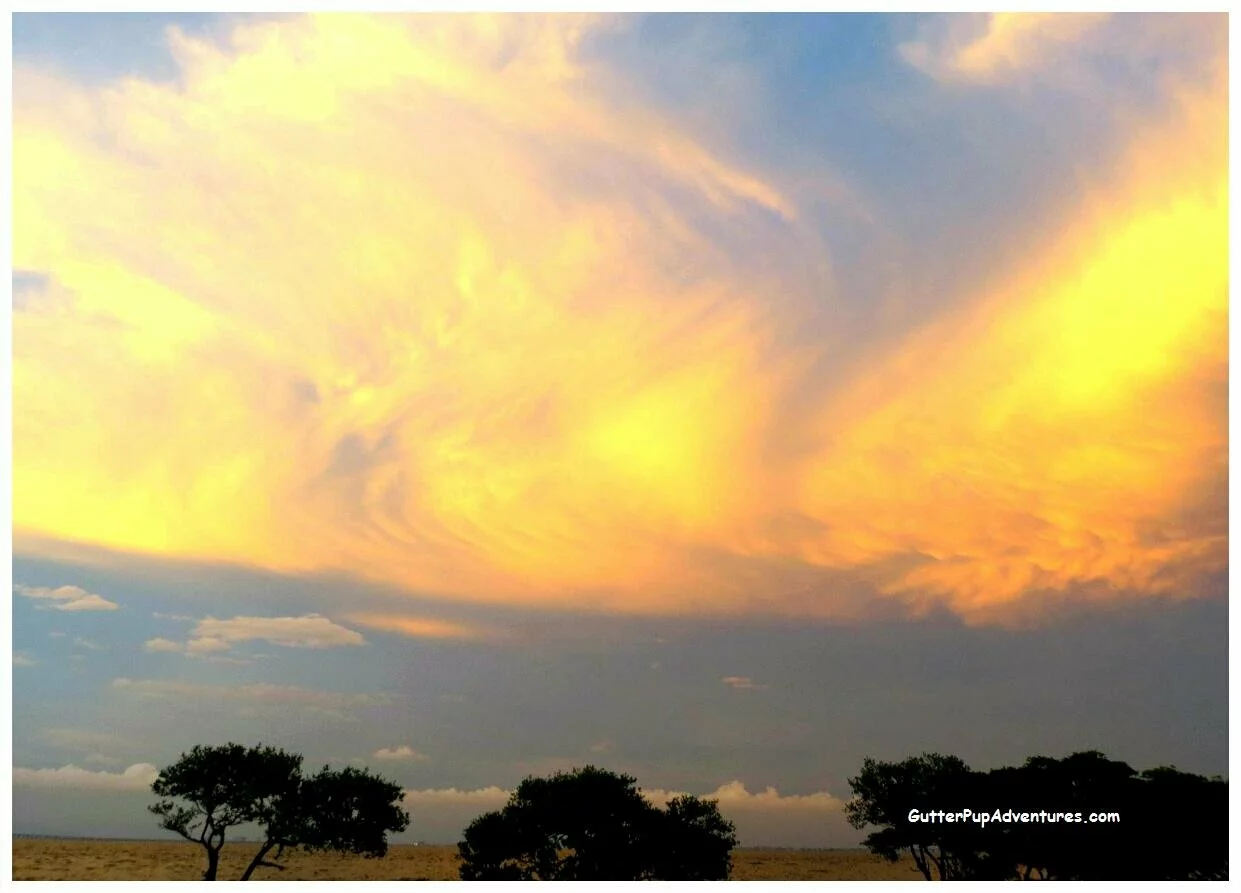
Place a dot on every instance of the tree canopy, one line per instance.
(347, 810)
(592, 824)
(1164, 824)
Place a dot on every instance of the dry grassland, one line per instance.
(125, 860)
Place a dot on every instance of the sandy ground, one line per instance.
(107, 860)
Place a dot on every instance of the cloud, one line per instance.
(22, 660)
(88, 644)
(87, 740)
(741, 683)
(1072, 437)
(762, 817)
(253, 696)
(480, 799)
(67, 598)
(205, 645)
(210, 635)
(308, 631)
(418, 627)
(192, 648)
(404, 752)
(137, 777)
(416, 461)
(569, 355)
(991, 46)
(734, 796)
(768, 817)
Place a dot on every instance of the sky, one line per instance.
(721, 399)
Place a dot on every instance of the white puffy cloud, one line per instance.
(404, 752)
(768, 817)
(67, 598)
(733, 795)
(137, 777)
(482, 799)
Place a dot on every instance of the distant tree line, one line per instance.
(1166, 824)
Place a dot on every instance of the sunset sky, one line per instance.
(721, 399)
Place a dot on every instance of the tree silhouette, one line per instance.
(225, 786)
(591, 824)
(884, 794)
(346, 810)
(1172, 825)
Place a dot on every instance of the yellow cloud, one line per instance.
(402, 297)
(1073, 419)
(990, 46)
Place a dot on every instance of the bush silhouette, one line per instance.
(591, 824)
(348, 810)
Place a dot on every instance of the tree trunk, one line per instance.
(213, 862)
(258, 859)
(920, 860)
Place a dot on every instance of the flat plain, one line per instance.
(61, 859)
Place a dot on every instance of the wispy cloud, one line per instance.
(992, 46)
(581, 360)
(22, 660)
(264, 695)
(308, 631)
(67, 598)
(211, 636)
(87, 740)
(419, 627)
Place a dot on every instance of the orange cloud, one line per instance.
(1069, 428)
(403, 297)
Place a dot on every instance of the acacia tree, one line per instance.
(224, 786)
(591, 824)
(883, 795)
(348, 810)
